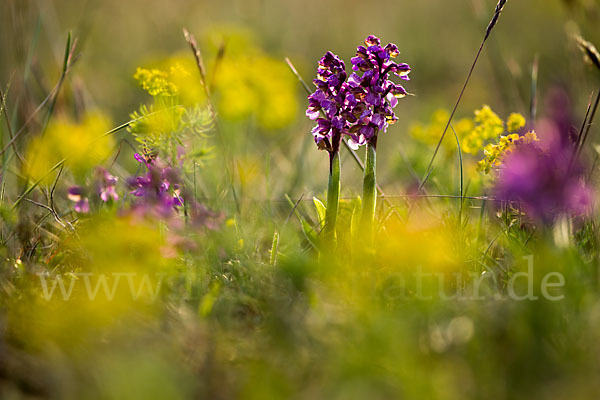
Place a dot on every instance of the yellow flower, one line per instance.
(487, 126)
(155, 82)
(83, 145)
(256, 85)
(515, 122)
(430, 134)
(184, 74)
(245, 83)
(495, 153)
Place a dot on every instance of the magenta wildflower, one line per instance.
(107, 185)
(139, 158)
(202, 216)
(159, 188)
(537, 177)
(77, 195)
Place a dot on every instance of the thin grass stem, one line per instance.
(491, 25)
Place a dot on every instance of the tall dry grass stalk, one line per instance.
(191, 40)
(494, 21)
(590, 52)
(488, 31)
(229, 164)
(591, 56)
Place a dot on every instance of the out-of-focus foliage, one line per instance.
(250, 83)
(82, 144)
(246, 82)
(431, 133)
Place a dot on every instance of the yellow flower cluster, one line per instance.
(176, 115)
(515, 122)
(487, 126)
(84, 145)
(473, 134)
(495, 152)
(249, 83)
(430, 134)
(245, 82)
(156, 82)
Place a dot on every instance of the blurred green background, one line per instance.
(437, 38)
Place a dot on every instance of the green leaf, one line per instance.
(387, 216)
(274, 247)
(309, 232)
(208, 301)
(355, 221)
(202, 153)
(307, 229)
(460, 163)
(321, 211)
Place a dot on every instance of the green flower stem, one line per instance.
(369, 194)
(333, 196)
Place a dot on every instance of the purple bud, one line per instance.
(82, 206)
(139, 158)
(372, 40)
(392, 50)
(75, 193)
(398, 91)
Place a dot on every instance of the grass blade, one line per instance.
(492, 24)
(460, 161)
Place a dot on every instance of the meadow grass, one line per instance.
(206, 248)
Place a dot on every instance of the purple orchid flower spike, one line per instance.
(359, 106)
(326, 104)
(378, 94)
